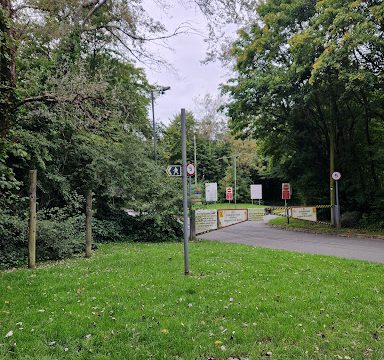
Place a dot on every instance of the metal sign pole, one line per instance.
(234, 164)
(337, 206)
(185, 194)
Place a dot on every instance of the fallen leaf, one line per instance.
(9, 334)
(164, 331)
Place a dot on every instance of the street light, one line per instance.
(161, 90)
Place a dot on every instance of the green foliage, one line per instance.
(13, 240)
(58, 236)
(59, 239)
(308, 74)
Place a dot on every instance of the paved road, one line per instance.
(262, 235)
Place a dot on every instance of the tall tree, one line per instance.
(307, 80)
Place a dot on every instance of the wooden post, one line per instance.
(32, 220)
(88, 225)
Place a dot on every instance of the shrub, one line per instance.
(107, 230)
(13, 240)
(57, 237)
(350, 219)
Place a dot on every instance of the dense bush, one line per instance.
(104, 230)
(350, 219)
(13, 240)
(58, 237)
(117, 225)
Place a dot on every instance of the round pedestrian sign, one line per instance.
(336, 176)
(190, 169)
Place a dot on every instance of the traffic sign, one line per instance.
(190, 169)
(285, 191)
(174, 170)
(336, 176)
(229, 193)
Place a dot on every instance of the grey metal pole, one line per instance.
(337, 207)
(154, 126)
(234, 164)
(194, 157)
(185, 190)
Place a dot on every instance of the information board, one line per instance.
(231, 217)
(256, 214)
(205, 220)
(304, 213)
(256, 192)
(211, 192)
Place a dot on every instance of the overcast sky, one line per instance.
(190, 79)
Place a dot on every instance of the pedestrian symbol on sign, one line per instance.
(174, 170)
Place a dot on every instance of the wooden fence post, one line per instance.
(32, 220)
(88, 225)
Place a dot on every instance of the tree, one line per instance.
(307, 80)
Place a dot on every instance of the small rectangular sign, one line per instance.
(228, 193)
(205, 220)
(285, 191)
(304, 213)
(211, 192)
(174, 170)
(256, 192)
(231, 217)
(256, 214)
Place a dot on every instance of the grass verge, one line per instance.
(302, 225)
(132, 301)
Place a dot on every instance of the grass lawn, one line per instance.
(132, 301)
(228, 206)
(296, 224)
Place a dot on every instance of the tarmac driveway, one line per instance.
(261, 235)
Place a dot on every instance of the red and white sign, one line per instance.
(286, 191)
(228, 193)
(190, 169)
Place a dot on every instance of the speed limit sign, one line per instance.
(190, 169)
(336, 176)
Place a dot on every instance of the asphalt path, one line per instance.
(262, 235)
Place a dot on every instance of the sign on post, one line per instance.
(336, 176)
(285, 191)
(190, 169)
(174, 170)
(229, 193)
(211, 192)
(256, 192)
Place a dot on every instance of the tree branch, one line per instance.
(93, 10)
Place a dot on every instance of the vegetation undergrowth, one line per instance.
(132, 301)
(303, 225)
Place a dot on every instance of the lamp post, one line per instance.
(161, 90)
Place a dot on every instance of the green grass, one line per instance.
(132, 301)
(296, 224)
(228, 206)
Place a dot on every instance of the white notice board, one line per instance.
(211, 192)
(205, 220)
(256, 192)
(304, 213)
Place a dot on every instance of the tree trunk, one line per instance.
(7, 67)
(88, 225)
(32, 220)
